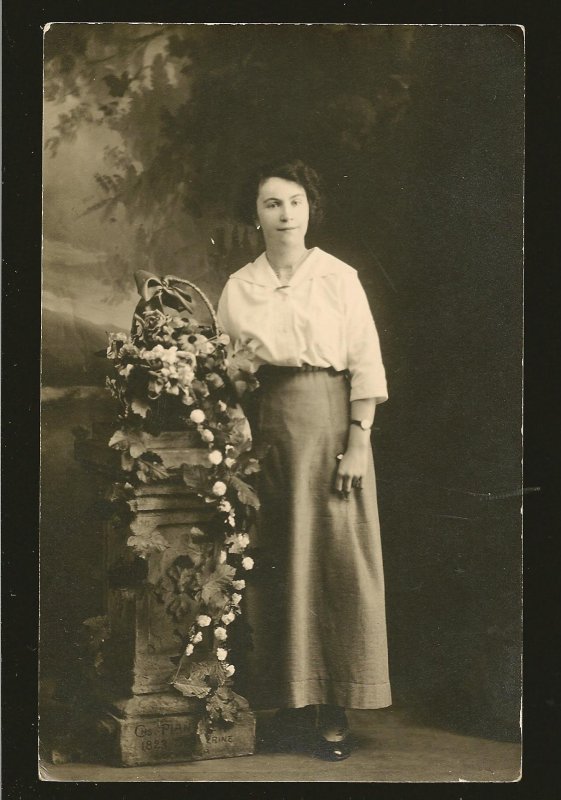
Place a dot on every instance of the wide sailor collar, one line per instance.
(317, 263)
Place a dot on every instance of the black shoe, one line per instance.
(333, 751)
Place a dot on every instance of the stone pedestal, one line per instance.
(142, 719)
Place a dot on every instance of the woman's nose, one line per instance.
(285, 212)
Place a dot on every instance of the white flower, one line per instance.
(219, 488)
(221, 634)
(189, 649)
(203, 620)
(198, 637)
(238, 584)
(225, 505)
(197, 416)
(228, 618)
(229, 447)
(238, 542)
(207, 436)
(125, 371)
(187, 400)
(222, 557)
(232, 521)
(247, 562)
(173, 389)
(215, 457)
(236, 599)
(221, 653)
(230, 669)
(169, 355)
(224, 338)
(229, 462)
(221, 405)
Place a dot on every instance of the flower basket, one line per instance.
(181, 420)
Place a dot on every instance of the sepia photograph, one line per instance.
(281, 403)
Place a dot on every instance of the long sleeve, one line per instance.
(364, 357)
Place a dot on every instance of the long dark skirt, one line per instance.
(316, 600)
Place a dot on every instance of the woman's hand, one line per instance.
(351, 469)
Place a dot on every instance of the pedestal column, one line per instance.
(142, 719)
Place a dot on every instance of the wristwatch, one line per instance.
(362, 423)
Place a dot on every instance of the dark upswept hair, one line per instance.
(291, 170)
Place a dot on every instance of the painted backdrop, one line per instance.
(417, 132)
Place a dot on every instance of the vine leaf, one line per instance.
(191, 687)
(214, 589)
(140, 407)
(211, 670)
(145, 543)
(225, 705)
(246, 493)
(151, 470)
(195, 476)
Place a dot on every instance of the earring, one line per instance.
(258, 227)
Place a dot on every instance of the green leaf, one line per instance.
(246, 493)
(190, 687)
(140, 407)
(215, 588)
(145, 543)
(195, 476)
(225, 705)
(153, 470)
(210, 670)
(197, 552)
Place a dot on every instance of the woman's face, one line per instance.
(282, 211)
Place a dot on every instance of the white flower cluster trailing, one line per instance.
(169, 356)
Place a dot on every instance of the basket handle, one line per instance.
(151, 287)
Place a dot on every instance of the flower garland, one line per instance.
(173, 373)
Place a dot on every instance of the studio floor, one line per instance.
(390, 748)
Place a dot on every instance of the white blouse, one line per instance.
(320, 317)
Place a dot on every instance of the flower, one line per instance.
(214, 379)
(198, 637)
(215, 457)
(116, 341)
(219, 488)
(221, 653)
(238, 542)
(225, 505)
(189, 649)
(207, 435)
(221, 633)
(222, 557)
(197, 416)
(203, 620)
(236, 599)
(221, 405)
(230, 669)
(228, 617)
(238, 584)
(224, 338)
(229, 462)
(247, 562)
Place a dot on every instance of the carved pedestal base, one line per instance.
(162, 728)
(151, 724)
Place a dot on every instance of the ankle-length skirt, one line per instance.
(315, 602)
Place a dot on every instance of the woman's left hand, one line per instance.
(351, 470)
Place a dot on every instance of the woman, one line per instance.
(317, 610)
